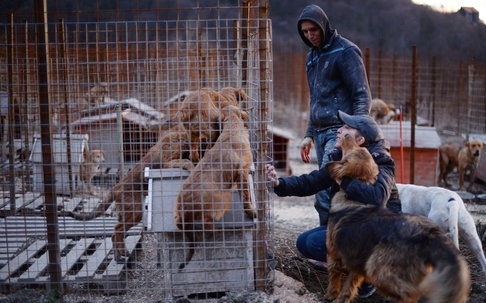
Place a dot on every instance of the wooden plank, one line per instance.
(89, 269)
(14, 264)
(72, 257)
(68, 227)
(40, 264)
(114, 268)
(21, 200)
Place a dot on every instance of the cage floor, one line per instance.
(85, 249)
(31, 203)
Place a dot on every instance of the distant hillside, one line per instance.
(389, 26)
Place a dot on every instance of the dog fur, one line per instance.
(447, 209)
(382, 112)
(205, 195)
(179, 147)
(90, 167)
(465, 158)
(406, 257)
(171, 151)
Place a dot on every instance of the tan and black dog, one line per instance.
(406, 257)
(465, 157)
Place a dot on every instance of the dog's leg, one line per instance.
(335, 273)
(472, 178)
(453, 206)
(448, 170)
(246, 196)
(469, 234)
(350, 288)
(461, 171)
(125, 222)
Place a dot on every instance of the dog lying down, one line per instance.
(406, 257)
(446, 208)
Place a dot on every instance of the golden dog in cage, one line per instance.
(90, 167)
(179, 147)
(206, 195)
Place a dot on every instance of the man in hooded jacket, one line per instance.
(337, 81)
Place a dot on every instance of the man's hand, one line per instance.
(305, 147)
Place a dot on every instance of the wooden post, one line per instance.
(46, 139)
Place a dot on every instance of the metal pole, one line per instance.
(11, 119)
(414, 114)
(46, 139)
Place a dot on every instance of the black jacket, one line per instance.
(382, 192)
(336, 76)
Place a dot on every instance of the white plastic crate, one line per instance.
(222, 262)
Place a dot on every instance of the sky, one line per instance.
(454, 5)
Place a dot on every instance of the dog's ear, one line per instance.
(242, 96)
(244, 116)
(335, 169)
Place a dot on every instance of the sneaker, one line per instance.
(366, 290)
(318, 264)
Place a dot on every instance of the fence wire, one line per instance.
(157, 134)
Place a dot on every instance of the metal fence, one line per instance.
(448, 95)
(133, 150)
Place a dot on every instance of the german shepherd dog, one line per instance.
(205, 195)
(406, 257)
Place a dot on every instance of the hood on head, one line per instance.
(315, 14)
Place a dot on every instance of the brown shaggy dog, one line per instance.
(172, 150)
(90, 167)
(178, 148)
(382, 112)
(205, 195)
(465, 158)
(406, 257)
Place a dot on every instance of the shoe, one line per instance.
(318, 264)
(366, 290)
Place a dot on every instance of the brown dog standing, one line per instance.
(406, 257)
(465, 158)
(91, 166)
(205, 195)
(172, 150)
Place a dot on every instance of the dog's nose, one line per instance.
(476, 153)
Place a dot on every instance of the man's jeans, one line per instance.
(324, 142)
(312, 243)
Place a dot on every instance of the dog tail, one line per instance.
(191, 239)
(453, 205)
(98, 211)
(449, 281)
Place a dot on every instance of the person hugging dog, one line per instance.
(367, 133)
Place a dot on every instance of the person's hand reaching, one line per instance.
(272, 175)
(305, 147)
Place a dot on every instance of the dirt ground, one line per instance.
(296, 280)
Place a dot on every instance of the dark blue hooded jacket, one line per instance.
(383, 192)
(336, 75)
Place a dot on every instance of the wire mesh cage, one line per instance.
(134, 143)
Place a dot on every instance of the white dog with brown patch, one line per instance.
(447, 209)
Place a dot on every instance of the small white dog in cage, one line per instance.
(90, 167)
